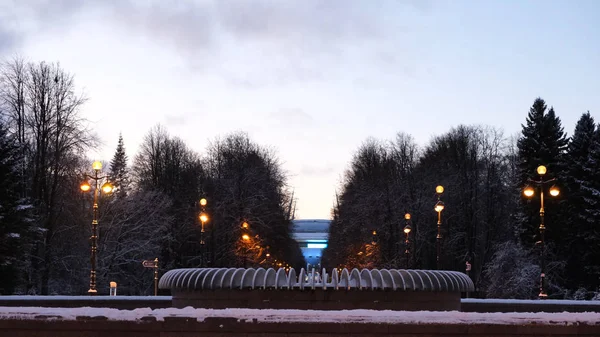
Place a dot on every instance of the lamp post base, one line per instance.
(92, 292)
(542, 295)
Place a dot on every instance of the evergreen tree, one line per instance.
(543, 142)
(119, 172)
(579, 150)
(580, 200)
(590, 231)
(10, 222)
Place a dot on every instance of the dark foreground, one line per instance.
(224, 327)
(156, 302)
(82, 316)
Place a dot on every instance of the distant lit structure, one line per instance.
(312, 235)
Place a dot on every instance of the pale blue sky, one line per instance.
(313, 79)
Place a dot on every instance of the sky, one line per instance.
(312, 79)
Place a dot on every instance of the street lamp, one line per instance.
(106, 188)
(439, 207)
(245, 241)
(407, 229)
(529, 191)
(203, 217)
(268, 256)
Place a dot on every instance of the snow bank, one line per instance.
(82, 298)
(346, 316)
(536, 302)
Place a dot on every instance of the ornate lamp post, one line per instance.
(439, 207)
(407, 229)
(106, 188)
(529, 192)
(268, 257)
(203, 220)
(245, 241)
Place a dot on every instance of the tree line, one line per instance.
(486, 222)
(45, 220)
(153, 212)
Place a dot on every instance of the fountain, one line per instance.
(385, 289)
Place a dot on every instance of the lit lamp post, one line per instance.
(106, 188)
(529, 192)
(407, 229)
(439, 207)
(245, 241)
(268, 257)
(203, 220)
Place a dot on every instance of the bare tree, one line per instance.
(370, 207)
(44, 113)
(165, 164)
(132, 230)
(248, 185)
(384, 180)
(13, 81)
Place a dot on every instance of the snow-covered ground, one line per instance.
(169, 298)
(537, 302)
(82, 298)
(270, 315)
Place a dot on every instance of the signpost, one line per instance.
(468, 270)
(153, 264)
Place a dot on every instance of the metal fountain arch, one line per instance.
(344, 279)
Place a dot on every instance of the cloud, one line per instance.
(252, 44)
(9, 36)
(19, 20)
(296, 22)
(292, 118)
(176, 120)
(195, 24)
(8, 40)
(276, 76)
(273, 42)
(187, 26)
